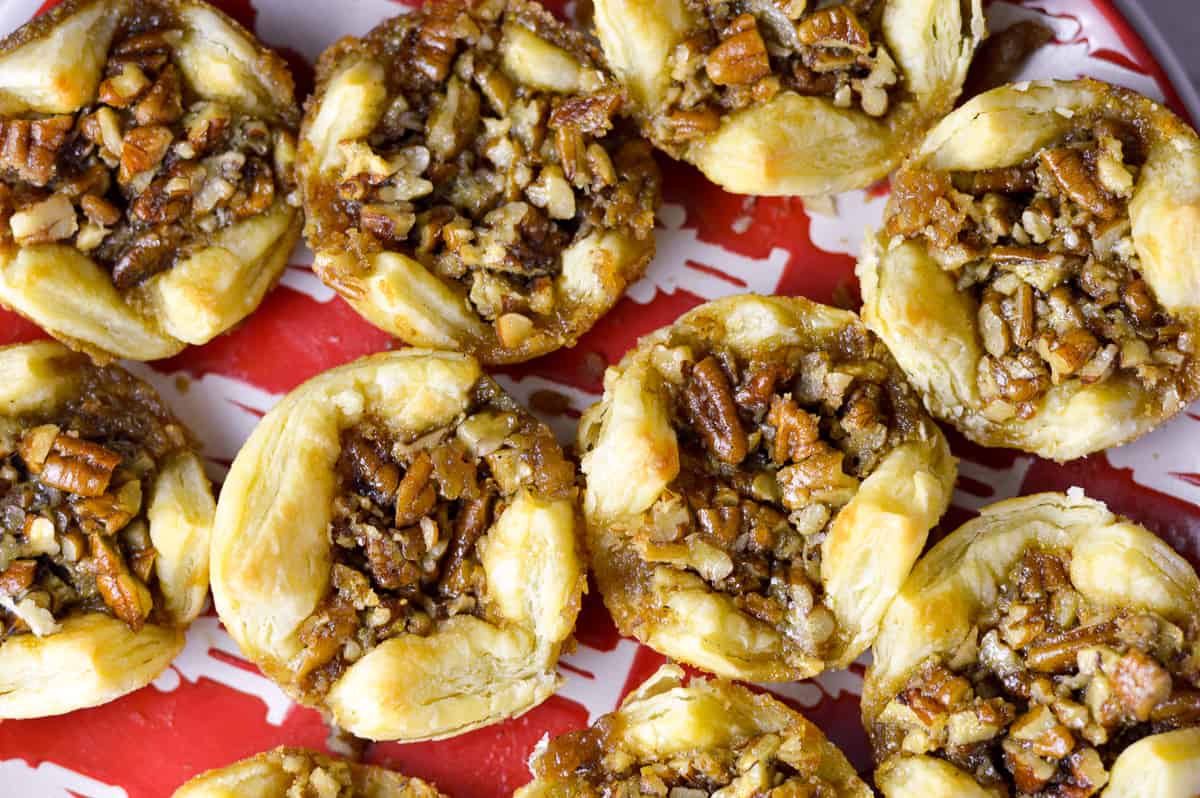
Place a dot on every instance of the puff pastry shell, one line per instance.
(867, 540)
(94, 657)
(56, 65)
(511, 207)
(1114, 564)
(273, 557)
(665, 724)
(794, 143)
(933, 329)
(286, 772)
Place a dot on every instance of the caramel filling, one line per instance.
(487, 180)
(144, 176)
(1049, 690)
(1046, 250)
(74, 489)
(744, 52)
(407, 521)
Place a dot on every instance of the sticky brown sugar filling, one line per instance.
(775, 765)
(1049, 690)
(406, 523)
(1046, 249)
(147, 173)
(482, 178)
(770, 451)
(74, 491)
(744, 52)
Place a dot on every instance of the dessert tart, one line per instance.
(300, 773)
(471, 182)
(396, 546)
(105, 514)
(790, 96)
(1047, 648)
(709, 737)
(146, 153)
(1038, 275)
(786, 480)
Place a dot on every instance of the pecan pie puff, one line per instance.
(1038, 277)
(396, 546)
(471, 182)
(300, 773)
(790, 96)
(710, 737)
(760, 480)
(146, 153)
(105, 514)
(1047, 648)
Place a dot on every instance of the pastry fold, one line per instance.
(472, 182)
(148, 168)
(98, 581)
(1048, 647)
(1038, 277)
(786, 480)
(792, 97)
(711, 735)
(396, 545)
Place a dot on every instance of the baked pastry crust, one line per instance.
(517, 242)
(933, 328)
(55, 65)
(283, 772)
(793, 143)
(866, 545)
(1114, 564)
(273, 558)
(664, 727)
(95, 657)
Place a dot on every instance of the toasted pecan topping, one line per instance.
(149, 162)
(1048, 690)
(481, 174)
(743, 53)
(770, 451)
(788, 762)
(407, 522)
(741, 57)
(708, 400)
(74, 491)
(1046, 248)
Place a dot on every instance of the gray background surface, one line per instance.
(1179, 23)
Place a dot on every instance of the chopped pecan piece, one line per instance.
(590, 114)
(472, 521)
(796, 432)
(1077, 181)
(1141, 683)
(692, 123)
(143, 150)
(150, 253)
(708, 402)
(78, 466)
(128, 598)
(741, 57)
(18, 577)
(416, 494)
(163, 103)
(836, 27)
(323, 633)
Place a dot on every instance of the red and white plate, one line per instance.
(211, 707)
